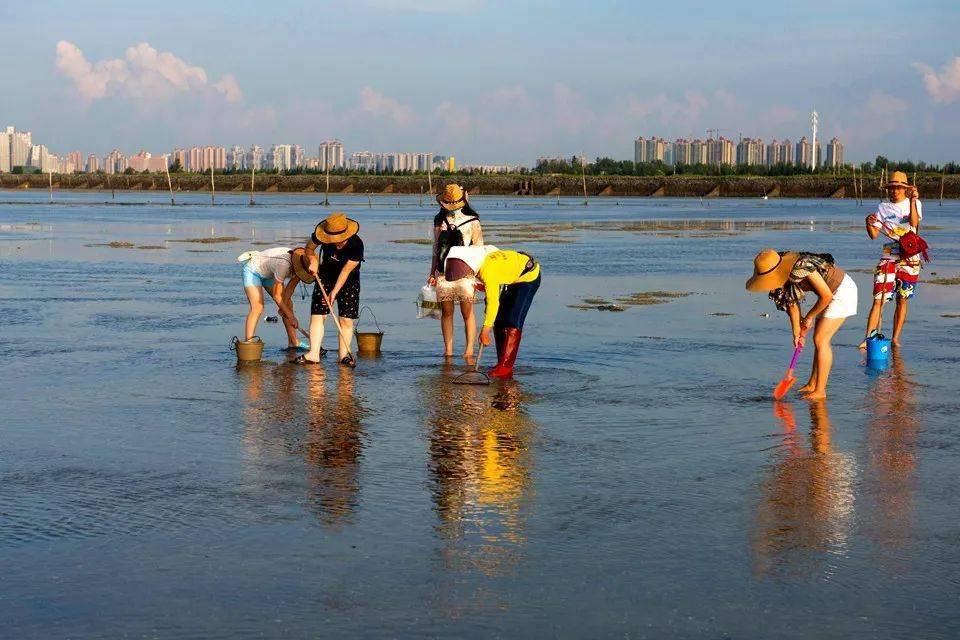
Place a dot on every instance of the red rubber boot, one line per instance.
(504, 368)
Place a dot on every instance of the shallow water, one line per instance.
(635, 480)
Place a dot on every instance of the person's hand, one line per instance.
(485, 336)
(294, 323)
(314, 266)
(873, 220)
(798, 340)
(914, 193)
(333, 295)
(432, 281)
(805, 323)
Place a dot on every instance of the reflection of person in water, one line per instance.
(891, 453)
(480, 463)
(807, 501)
(331, 441)
(334, 445)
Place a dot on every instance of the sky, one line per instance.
(489, 81)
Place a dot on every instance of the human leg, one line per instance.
(469, 327)
(899, 318)
(348, 306)
(446, 326)
(512, 332)
(255, 298)
(906, 285)
(318, 315)
(823, 334)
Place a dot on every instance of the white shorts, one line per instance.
(844, 303)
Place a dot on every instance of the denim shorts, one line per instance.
(253, 279)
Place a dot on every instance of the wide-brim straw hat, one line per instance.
(452, 198)
(771, 270)
(897, 179)
(336, 228)
(300, 261)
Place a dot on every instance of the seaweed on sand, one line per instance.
(622, 303)
(213, 240)
(945, 281)
(116, 244)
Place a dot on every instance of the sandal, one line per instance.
(302, 360)
(349, 361)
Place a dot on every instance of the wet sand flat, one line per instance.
(635, 480)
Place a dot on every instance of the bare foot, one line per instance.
(896, 342)
(807, 388)
(822, 395)
(863, 345)
(467, 355)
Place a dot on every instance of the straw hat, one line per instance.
(452, 198)
(300, 261)
(898, 179)
(771, 270)
(336, 228)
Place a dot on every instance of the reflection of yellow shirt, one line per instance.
(502, 268)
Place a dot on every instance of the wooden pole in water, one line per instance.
(50, 182)
(326, 191)
(430, 178)
(169, 184)
(213, 188)
(421, 195)
(253, 173)
(583, 176)
(942, 177)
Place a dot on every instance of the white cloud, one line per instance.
(943, 87)
(427, 6)
(378, 105)
(143, 74)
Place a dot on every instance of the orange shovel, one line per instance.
(788, 379)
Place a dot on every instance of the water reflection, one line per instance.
(891, 455)
(323, 426)
(480, 465)
(806, 509)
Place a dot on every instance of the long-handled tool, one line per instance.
(336, 320)
(788, 379)
(476, 376)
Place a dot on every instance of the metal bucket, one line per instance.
(247, 350)
(368, 342)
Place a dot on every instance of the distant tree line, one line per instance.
(611, 167)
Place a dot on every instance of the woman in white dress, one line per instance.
(456, 225)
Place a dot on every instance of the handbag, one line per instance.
(911, 244)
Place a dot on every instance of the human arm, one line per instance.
(793, 315)
(314, 260)
(824, 298)
(348, 268)
(280, 295)
(914, 209)
(434, 263)
(872, 229)
(477, 239)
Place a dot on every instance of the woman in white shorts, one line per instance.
(788, 276)
(271, 270)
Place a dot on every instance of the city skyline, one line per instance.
(574, 76)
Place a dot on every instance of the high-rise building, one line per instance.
(39, 158)
(751, 151)
(255, 158)
(698, 152)
(835, 153)
(296, 156)
(115, 162)
(640, 150)
(20, 144)
(682, 151)
(280, 157)
(802, 155)
(183, 156)
(93, 163)
(4, 152)
(779, 153)
(75, 160)
(331, 155)
(720, 151)
(138, 161)
(236, 158)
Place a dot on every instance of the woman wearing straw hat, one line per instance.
(895, 274)
(272, 270)
(338, 268)
(788, 276)
(511, 280)
(456, 225)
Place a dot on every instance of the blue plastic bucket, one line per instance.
(878, 349)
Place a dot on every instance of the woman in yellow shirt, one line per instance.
(511, 279)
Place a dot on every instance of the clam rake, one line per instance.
(476, 376)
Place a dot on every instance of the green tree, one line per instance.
(176, 167)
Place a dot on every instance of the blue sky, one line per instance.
(485, 80)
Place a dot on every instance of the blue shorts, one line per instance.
(253, 279)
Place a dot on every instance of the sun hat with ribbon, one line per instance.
(452, 198)
(771, 270)
(336, 228)
(897, 179)
(300, 261)
(461, 260)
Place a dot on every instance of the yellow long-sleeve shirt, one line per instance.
(501, 268)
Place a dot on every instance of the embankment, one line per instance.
(548, 185)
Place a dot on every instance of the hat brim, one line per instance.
(451, 206)
(352, 227)
(776, 278)
(891, 185)
(298, 258)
